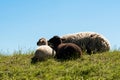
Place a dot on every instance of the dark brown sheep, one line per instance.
(64, 51)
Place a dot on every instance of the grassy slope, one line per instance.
(105, 66)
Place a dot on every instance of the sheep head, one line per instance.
(42, 41)
(54, 42)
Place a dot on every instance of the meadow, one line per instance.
(100, 66)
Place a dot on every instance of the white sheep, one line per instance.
(43, 51)
(90, 42)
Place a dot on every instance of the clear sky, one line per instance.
(23, 22)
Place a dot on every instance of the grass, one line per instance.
(104, 66)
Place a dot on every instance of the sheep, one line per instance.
(64, 51)
(43, 52)
(90, 42)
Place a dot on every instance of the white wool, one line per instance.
(44, 51)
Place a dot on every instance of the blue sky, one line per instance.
(23, 22)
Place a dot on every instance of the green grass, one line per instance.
(104, 66)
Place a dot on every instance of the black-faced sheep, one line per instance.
(43, 51)
(89, 42)
(65, 51)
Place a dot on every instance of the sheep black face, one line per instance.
(54, 42)
(65, 51)
(42, 41)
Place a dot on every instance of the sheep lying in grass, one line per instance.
(43, 52)
(65, 51)
(90, 42)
